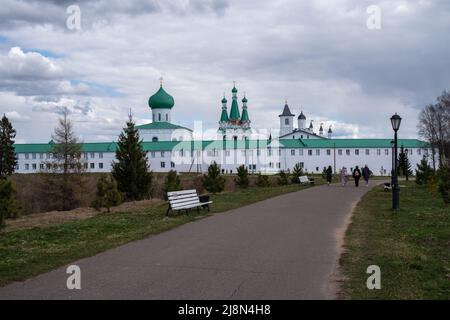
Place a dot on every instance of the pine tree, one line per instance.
(424, 172)
(213, 181)
(242, 179)
(131, 170)
(404, 165)
(107, 195)
(64, 174)
(283, 178)
(297, 172)
(8, 159)
(172, 183)
(262, 181)
(9, 207)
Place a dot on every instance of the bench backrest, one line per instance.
(183, 198)
(303, 179)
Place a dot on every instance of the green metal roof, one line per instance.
(161, 125)
(224, 116)
(234, 113)
(230, 144)
(161, 100)
(245, 115)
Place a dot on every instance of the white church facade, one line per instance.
(173, 147)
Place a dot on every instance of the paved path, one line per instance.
(281, 248)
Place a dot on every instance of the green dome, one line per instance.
(224, 100)
(234, 90)
(244, 100)
(161, 100)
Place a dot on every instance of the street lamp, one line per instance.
(392, 163)
(395, 121)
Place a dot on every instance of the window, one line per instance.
(172, 164)
(153, 154)
(163, 164)
(301, 136)
(41, 166)
(271, 164)
(100, 155)
(286, 122)
(92, 155)
(100, 165)
(34, 166)
(167, 117)
(85, 156)
(228, 153)
(300, 152)
(419, 152)
(357, 152)
(17, 167)
(317, 169)
(378, 152)
(27, 166)
(85, 165)
(279, 152)
(309, 152)
(162, 154)
(278, 165)
(328, 152)
(386, 152)
(33, 155)
(269, 151)
(347, 152)
(159, 116)
(317, 152)
(155, 139)
(340, 152)
(41, 156)
(292, 152)
(27, 156)
(302, 165)
(92, 165)
(367, 152)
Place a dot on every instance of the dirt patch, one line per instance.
(45, 219)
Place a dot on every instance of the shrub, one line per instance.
(213, 181)
(444, 182)
(262, 180)
(424, 172)
(283, 178)
(9, 207)
(297, 172)
(172, 183)
(242, 179)
(107, 195)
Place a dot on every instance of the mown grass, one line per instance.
(28, 252)
(411, 247)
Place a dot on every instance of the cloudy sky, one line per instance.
(320, 55)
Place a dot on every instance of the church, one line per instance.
(170, 146)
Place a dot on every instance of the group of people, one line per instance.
(357, 173)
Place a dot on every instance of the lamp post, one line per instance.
(392, 163)
(395, 121)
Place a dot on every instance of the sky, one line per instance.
(321, 56)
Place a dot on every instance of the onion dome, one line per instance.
(161, 100)
(301, 116)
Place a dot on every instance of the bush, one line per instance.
(172, 183)
(444, 182)
(9, 207)
(213, 181)
(297, 172)
(283, 178)
(424, 172)
(242, 179)
(107, 195)
(262, 181)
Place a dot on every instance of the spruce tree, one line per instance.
(424, 172)
(297, 172)
(107, 194)
(262, 181)
(8, 159)
(283, 178)
(9, 207)
(172, 183)
(404, 165)
(131, 170)
(213, 181)
(242, 179)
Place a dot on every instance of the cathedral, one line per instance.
(170, 146)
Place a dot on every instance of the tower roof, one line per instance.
(161, 100)
(301, 116)
(286, 112)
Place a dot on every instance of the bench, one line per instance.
(185, 200)
(306, 180)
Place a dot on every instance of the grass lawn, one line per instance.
(411, 247)
(28, 252)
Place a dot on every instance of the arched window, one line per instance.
(155, 139)
(235, 138)
(286, 122)
(159, 116)
(167, 117)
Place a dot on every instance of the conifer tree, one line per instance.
(262, 181)
(424, 172)
(131, 170)
(283, 178)
(172, 183)
(404, 165)
(213, 181)
(8, 159)
(107, 195)
(297, 172)
(9, 207)
(242, 179)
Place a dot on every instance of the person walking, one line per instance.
(356, 175)
(329, 175)
(366, 173)
(344, 176)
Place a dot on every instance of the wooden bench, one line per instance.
(306, 180)
(185, 200)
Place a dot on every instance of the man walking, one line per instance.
(366, 173)
(356, 175)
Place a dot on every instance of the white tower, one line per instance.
(286, 121)
(301, 121)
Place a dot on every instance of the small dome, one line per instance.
(234, 90)
(302, 116)
(161, 100)
(244, 100)
(224, 100)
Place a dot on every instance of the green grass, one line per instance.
(411, 247)
(28, 252)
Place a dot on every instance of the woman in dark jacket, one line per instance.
(366, 173)
(329, 173)
(356, 175)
